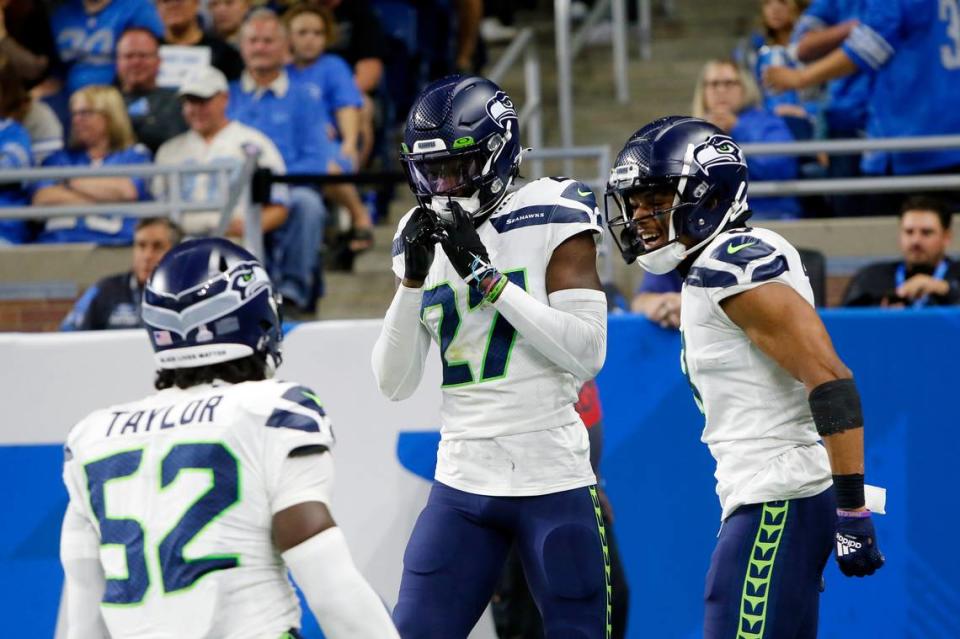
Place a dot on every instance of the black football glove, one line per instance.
(856, 551)
(420, 238)
(466, 251)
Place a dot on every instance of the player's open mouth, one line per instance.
(650, 237)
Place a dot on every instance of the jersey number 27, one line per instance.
(500, 338)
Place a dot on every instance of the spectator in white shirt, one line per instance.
(213, 136)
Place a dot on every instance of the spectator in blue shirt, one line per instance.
(822, 29)
(284, 111)
(87, 31)
(728, 97)
(14, 154)
(913, 48)
(326, 75)
(779, 18)
(101, 135)
(329, 79)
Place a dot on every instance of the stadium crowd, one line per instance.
(100, 83)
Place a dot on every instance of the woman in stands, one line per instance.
(348, 114)
(728, 97)
(100, 135)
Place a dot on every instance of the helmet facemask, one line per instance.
(651, 238)
(467, 176)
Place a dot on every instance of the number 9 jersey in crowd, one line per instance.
(182, 487)
(508, 423)
(758, 423)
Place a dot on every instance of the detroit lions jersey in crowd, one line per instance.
(508, 421)
(893, 40)
(182, 487)
(14, 154)
(846, 108)
(758, 423)
(87, 42)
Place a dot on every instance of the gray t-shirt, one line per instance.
(45, 129)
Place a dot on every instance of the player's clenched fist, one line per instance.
(856, 551)
(419, 237)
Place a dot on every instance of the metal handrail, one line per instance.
(234, 174)
(531, 115)
(115, 170)
(840, 186)
(865, 184)
(854, 145)
(129, 209)
(567, 46)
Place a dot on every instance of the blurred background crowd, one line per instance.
(321, 88)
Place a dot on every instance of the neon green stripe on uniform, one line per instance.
(756, 583)
(608, 584)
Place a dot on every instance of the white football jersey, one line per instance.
(758, 422)
(500, 395)
(181, 488)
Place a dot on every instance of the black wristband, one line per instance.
(835, 407)
(849, 490)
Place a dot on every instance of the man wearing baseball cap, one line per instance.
(213, 136)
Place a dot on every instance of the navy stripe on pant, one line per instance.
(457, 550)
(767, 569)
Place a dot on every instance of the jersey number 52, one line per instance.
(177, 572)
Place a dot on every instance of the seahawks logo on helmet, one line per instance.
(500, 109)
(248, 279)
(717, 151)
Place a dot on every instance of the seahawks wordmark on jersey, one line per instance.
(181, 488)
(758, 423)
(508, 421)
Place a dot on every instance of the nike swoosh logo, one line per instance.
(311, 396)
(584, 193)
(731, 249)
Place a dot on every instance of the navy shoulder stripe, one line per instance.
(285, 419)
(742, 250)
(306, 398)
(710, 278)
(770, 270)
(579, 192)
(540, 214)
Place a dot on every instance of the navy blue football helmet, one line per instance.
(210, 301)
(704, 170)
(461, 143)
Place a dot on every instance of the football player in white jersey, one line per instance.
(187, 507)
(513, 300)
(783, 417)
